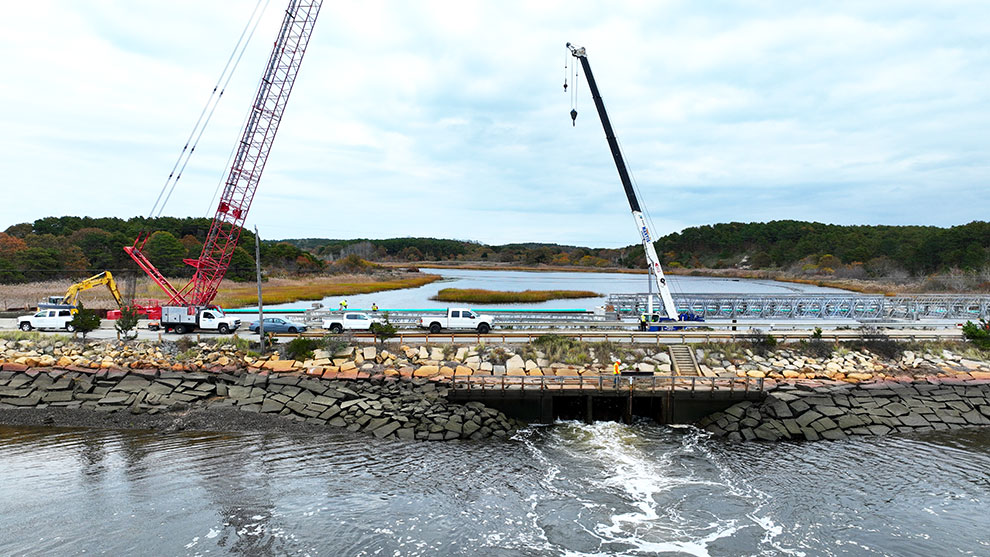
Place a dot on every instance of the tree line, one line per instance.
(57, 247)
(74, 247)
(878, 250)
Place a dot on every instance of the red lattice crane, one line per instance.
(248, 164)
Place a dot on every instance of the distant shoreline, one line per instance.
(885, 287)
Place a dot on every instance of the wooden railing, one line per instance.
(609, 383)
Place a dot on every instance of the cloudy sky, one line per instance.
(448, 119)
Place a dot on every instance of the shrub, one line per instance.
(498, 356)
(383, 331)
(563, 349)
(85, 321)
(818, 348)
(301, 348)
(184, 344)
(978, 334)
(761, 343)
(126, 325)
(239, 343)
(880, 344)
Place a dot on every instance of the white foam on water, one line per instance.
(641, 476)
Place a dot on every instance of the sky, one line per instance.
(449, 119)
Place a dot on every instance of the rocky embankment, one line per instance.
(402, 394)
(836, 410)
(840, 365)
(385, 406)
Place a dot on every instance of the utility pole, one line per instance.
(257, 266)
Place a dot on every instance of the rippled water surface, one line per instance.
(601, 283)
(568, 489)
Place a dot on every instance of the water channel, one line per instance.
(601, 283)
(564, 490)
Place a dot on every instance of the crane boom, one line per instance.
(620, 164)
(248, 164)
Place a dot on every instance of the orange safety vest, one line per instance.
(615, 367)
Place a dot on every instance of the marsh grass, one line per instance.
(480, 296)
(281, 291)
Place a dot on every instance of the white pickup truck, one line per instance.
(47, 319)
(350, 321)
(457, 318)
(183, 319)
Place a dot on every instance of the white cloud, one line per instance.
(448, 118)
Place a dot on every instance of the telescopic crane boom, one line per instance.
(245, 172)
(644, 231)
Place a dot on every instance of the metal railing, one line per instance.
(838, 305)
(610, 383)
(691, 332)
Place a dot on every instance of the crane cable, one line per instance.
(672, 285)
(209, 108)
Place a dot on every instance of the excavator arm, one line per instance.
(104, 278)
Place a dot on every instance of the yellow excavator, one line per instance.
(71, 295)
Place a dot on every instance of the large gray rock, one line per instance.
(386, 430)
(804, 420)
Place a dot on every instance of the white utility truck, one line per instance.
(458, 318)
(47, 319)
(186, 319)
(350, 321)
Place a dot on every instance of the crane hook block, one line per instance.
(565, 86)
(573, 117)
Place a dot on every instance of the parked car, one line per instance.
(47, 319)
(350, 321)
(279, 325)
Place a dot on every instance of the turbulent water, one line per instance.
(567, 489)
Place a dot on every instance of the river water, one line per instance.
(563, 490)
(601, 283)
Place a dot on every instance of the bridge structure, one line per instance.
(838, 305)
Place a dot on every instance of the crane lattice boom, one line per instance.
(248, 165)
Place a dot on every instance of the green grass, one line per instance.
(480, 296)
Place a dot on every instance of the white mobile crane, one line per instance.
(644, 231)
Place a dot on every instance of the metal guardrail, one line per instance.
(610, 383)
(688, 334)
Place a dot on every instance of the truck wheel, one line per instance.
(336, 328)
(484, 328)
(26, 326)
(180, 329)
(70, 327)
(435, 328)
(223, 329)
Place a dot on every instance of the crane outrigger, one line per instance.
(669, 309)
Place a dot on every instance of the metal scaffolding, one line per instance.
(861, 307)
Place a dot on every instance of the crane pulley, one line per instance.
(644, 231)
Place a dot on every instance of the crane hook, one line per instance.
(565, 86)
(573, 117)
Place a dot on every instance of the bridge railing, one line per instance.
(609, 383)
(691, 332)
